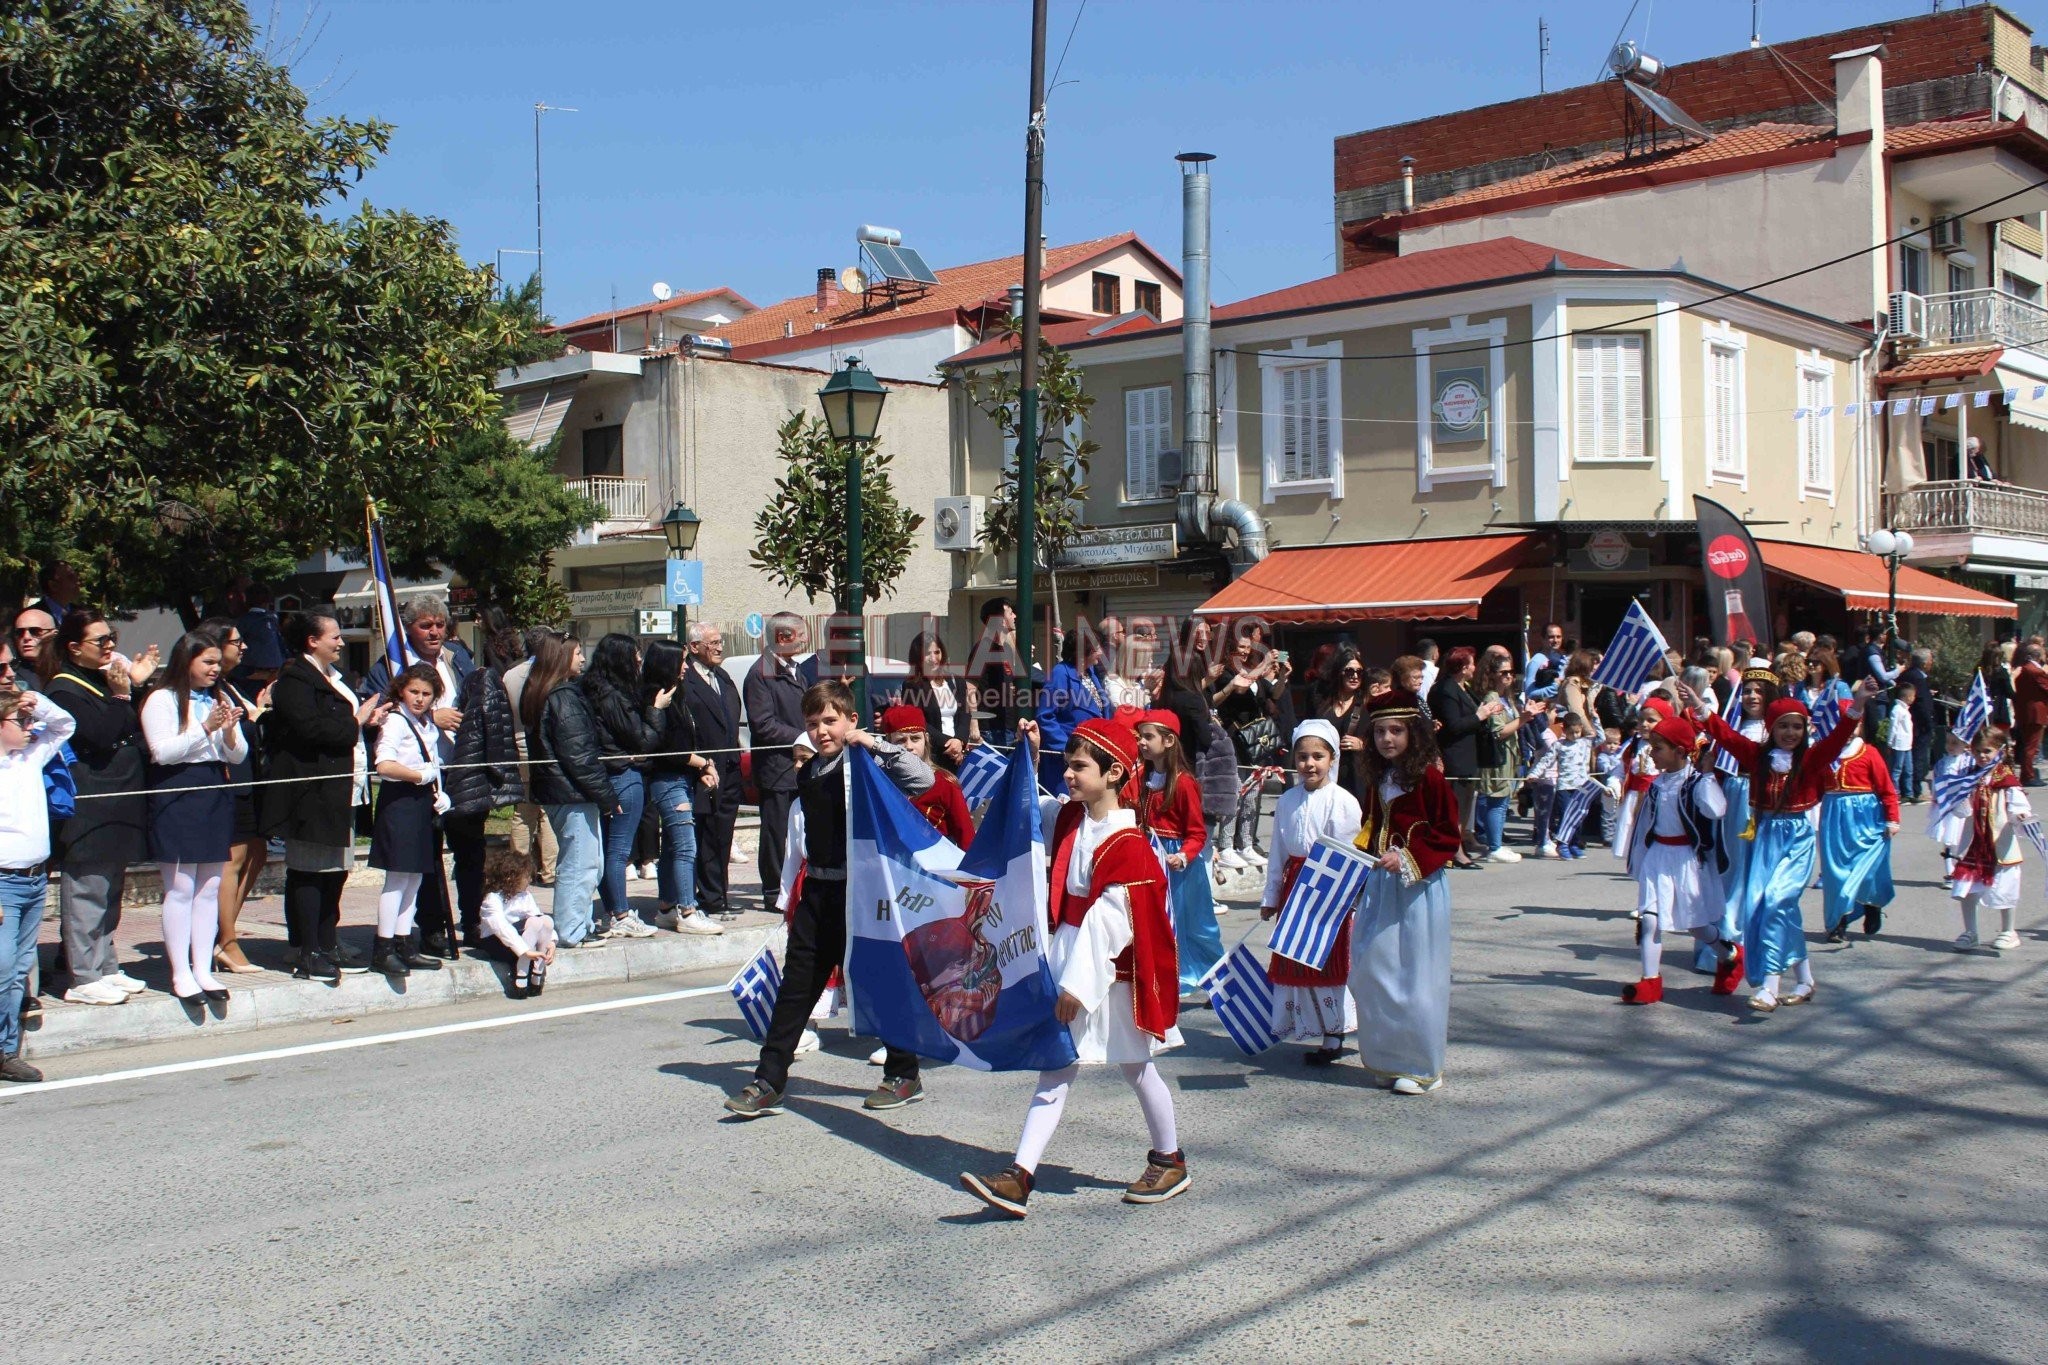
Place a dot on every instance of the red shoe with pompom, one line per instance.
(1648, 991)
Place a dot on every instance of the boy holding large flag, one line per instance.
(1112, 953)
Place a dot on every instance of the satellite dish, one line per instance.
(853, 280)
(662, 293)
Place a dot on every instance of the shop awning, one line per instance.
(1403, 580)
(1860, 579)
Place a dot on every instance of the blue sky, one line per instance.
(743, 144)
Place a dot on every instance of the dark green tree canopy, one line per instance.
(802, 530)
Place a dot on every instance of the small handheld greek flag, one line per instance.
(1952, 790)
(1637, 649)
(1731, 714)
(1825, 713)
(1975, 713)
(1576, 805)
(1325, 890)
(1242, 996)
(2032, 829)
(982, 770)
(755, 989)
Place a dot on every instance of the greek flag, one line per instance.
(1976, 711)
(390, 629)
(1325, 890)
(1825, 713)
(982, 770)
(755, 989)
(2032, 829)
(1242, 996)
(1576, 804)
(1637, 649)
(1952, 790)
(1731, 714)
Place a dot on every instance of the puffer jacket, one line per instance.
(1216, 771)
(567, 755)
(484, 773)
(624, 732)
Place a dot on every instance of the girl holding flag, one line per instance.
(1858, 817)
(1168, 798)
(1948, 816)
(1987, 869)
(1306, 1010)
(1677, 862)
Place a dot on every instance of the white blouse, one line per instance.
(1299, 819)
(399, 741)
(1083, 959)
(170, 743)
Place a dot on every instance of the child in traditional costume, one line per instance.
(1987, 870)
(1401, 940)
(1637, 773)
(1168, 798)
(1112, 955)
(1738, 838)
(1949, 825)
(1311, 1006)
(1787, 777)
(944, 804)
(1858, 817)
(1675, 856)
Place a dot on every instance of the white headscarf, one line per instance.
(1316, 729)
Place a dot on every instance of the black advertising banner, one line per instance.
(1737, 608)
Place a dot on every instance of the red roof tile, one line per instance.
(1933, 367)
(1914, 137)
(668, 305)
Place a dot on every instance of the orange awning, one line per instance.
(1404, 580)
(1860, 579)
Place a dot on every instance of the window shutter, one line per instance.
(1628, 353)
(1290, 425)
(1722, 393)
(1586, 397)
(1320, 417)
(1136, 432)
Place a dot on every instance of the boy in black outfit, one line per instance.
(817, 930)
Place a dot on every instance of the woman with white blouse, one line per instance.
(194, 738)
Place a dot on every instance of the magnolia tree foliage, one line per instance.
(802, 530)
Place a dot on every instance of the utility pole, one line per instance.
(1027, 383)
(540, 260)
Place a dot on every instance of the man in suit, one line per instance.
(775, 721)
(715, 707)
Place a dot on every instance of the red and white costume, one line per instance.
(1310, 1006)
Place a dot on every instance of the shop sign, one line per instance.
(2030, 582)
(1101, 580)
(1099, 546)
(1460, 406)
(605, 602)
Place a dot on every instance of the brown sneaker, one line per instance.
(755, 1101)
(1007, 1189)
(1166, 1175)
(894, 1092)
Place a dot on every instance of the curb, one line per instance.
(156, 1017)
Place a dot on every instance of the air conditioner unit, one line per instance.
(1947, 234)
(1907, 317)
(956, 522)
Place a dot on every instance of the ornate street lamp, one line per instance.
(1892, 547)
(852, 399)
(680, 528)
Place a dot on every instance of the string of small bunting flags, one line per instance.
(1927, 406)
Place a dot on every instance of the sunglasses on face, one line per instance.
(34, 632)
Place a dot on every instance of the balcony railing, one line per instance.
(622, 499)
(1971, 317)
(1970, 506)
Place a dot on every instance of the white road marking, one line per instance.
(344, 1044)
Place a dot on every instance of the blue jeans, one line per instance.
(21, 919)
(619, 829)
(1904, 777)
(671, 795)
(1490, 814)
(579, 862)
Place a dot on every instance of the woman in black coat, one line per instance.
(566, 757)
(627, 732)
(482, 775)
(315, 732)
(95, 846)
(1461, 721)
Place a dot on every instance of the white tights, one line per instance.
(191, 923)
(399, 904)
(1653, 943)
(2007, 917)
(1802, 972)
(1051, 1101)
(538, 934)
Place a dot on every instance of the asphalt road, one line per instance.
(1862, 1179)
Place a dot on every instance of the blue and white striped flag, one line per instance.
(1731, 715)
(1975, 713)
(755, 988)
(1325, 890)
(1576, 804)
(1242, 996)
(397, 651)
(1952, 790)
(1824, 715)
(982, 770)
(1637, 649)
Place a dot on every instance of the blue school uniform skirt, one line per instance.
(191, 813)
(1192, 901)
(1781, 865)
(1855, 855)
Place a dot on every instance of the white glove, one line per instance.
(442, 805)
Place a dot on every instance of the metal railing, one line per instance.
(622, 499)
(1970, 317)
(1970, 505)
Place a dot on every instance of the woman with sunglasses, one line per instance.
(1339, 698)
(96, 846)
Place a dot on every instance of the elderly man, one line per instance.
(774, 695)
(30, 637)
(714, 704)
(59, 584)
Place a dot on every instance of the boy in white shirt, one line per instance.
(32, 729)
(1898, 740)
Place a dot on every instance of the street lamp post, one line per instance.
(680, 527)
(1892, 547)
(852, 399)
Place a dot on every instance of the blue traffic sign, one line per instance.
(757, 626)
(685, 586)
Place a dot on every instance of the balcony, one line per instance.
(1972, 317)
(622, 499)
(1968, 508)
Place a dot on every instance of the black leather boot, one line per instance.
(409, 950)
(384, 957)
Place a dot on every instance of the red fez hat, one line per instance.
(1114, 738)
(1678, 730)
(897, 719)
(1165, 720)
(1786, 706)
(1394, 705)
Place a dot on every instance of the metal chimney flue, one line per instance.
(1407, 184)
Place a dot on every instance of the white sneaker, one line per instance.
(1252, 856)
(697, 922)
(1404, 1085)
(101, 992)
(668, 919)
(126, 982)
(879, 1057)
(1504, 855)
(1547, 850)
(807, 1044)
(1228, 858)
(1965, 942)
(631, 926)
(2008, 939)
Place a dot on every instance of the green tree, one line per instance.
(204, 365)
(1062, 486)
(802, 530)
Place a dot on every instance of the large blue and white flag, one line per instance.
(981, 774)
(1976, 712)
(755, 989)
(1242, 995)
(391, 630)
(1637, 649)
(1325, 890)
(1952, 790)
(945, 951)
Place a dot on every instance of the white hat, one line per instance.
(1316, 729)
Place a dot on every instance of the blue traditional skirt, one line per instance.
(1780, 865)
(1855, 855)
(1401, 976)
(1192, 902)
(1733, 881)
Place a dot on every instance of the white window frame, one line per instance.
(1461, 332)
(1722, 337)
(1818, 424)
(1273, 415)
(1912, 253)
(1131, 498)
(1584, 443)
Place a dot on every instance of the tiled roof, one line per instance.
(1450, 267)
(1933, 367)
(960, 286)
(668, 305)
(1915, 137)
